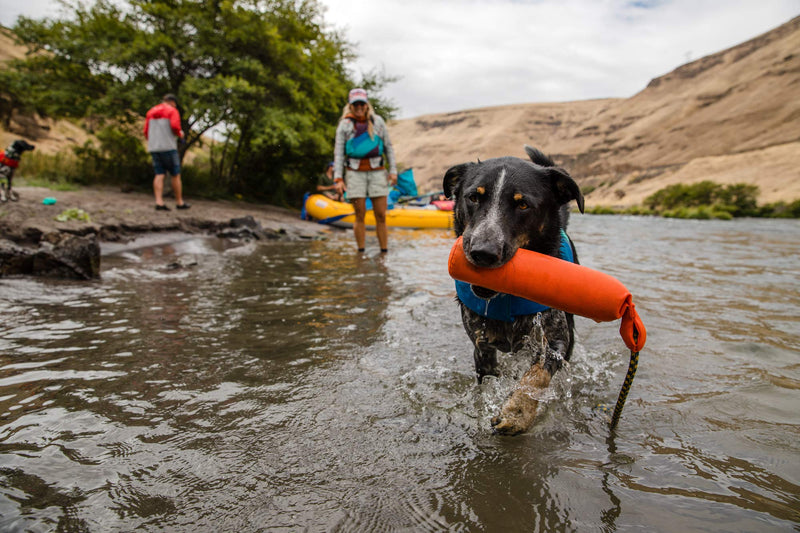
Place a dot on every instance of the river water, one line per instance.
(207, 386)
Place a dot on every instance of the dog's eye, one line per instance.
(522, 205)
(473, 197)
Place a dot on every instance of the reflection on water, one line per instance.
(202, 385)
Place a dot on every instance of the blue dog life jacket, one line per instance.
(506, 307)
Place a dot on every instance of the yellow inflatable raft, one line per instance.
(326, 211)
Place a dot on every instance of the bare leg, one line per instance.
(379, 208)
(177, 188)
(359, 226)
(158, 188)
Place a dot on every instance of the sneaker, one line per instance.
(184, 205)
(161, 208)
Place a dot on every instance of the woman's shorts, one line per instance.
(366, 184)
(164, 162)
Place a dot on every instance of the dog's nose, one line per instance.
(485, 255)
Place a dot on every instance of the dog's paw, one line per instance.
(519, 411)
(514, 418)
(505, 426)
(13, 196)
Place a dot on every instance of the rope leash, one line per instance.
(626, 387)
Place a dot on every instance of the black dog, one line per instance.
(9, 161)
(502, 205)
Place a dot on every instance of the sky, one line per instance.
(452, 55)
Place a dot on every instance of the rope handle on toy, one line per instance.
(562, 285)
(633, 364)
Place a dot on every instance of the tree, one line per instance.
(266, 74)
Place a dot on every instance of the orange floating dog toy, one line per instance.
(557, 283)
(562, 285)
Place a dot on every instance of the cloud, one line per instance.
(453, 55)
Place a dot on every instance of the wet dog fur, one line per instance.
(502, 205)
(13, 152)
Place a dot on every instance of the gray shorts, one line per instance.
(368, 184)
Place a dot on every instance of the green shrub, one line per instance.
(706, 200)
(701, 212)
(680, 195)
(199, 181)
(120, 158)
(780, 210)
(41, 168)
(601, 210)
(638, 210)
(739, 199)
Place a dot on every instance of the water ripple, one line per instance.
(302, 386)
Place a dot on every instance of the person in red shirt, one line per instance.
(162, 129)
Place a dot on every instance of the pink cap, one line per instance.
(357, 95)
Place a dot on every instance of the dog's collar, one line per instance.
(506, 307)
(9, 161)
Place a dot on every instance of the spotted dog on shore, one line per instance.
(9, 161)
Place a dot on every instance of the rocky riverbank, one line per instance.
(64, 239)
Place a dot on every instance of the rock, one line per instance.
(82, 254)
(184, 261)
(14, 259)
(242, 234)
(58, 256)
(247, 228)
(245, 222)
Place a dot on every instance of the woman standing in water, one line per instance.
(361, 155)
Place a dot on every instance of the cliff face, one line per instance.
(731, 117)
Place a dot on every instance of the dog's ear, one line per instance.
(538, 157)
(565, 187)
(452, 177)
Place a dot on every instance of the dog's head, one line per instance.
(508, 203)
(21, 145)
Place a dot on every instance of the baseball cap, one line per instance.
(357, 95)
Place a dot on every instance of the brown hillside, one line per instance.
(8, 48)
(731, 117)
(49, 136)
